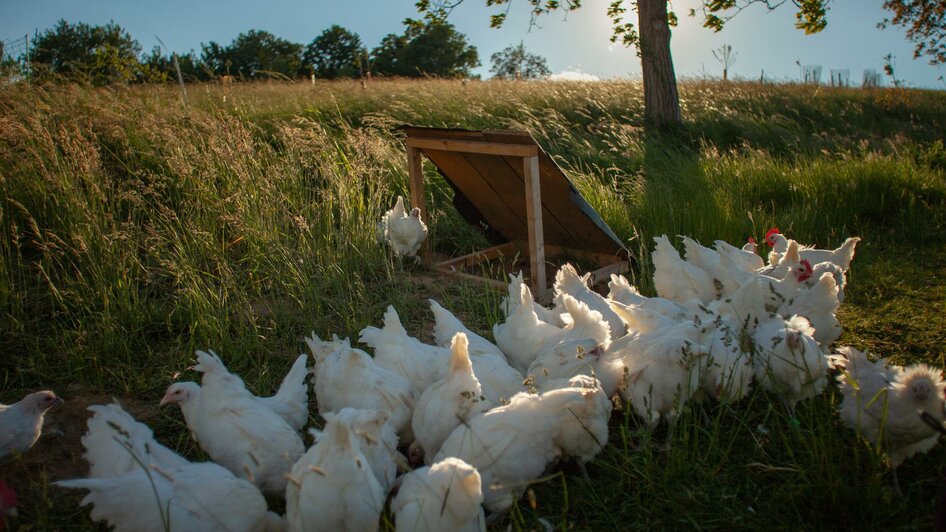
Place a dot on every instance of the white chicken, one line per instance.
(583, 323)
(291, 401)
(787, 360)
(795, 261)
(884, 403)
(404, 231)
(746, 257)
(567, 281)
(584, 432)
(348, 377)
(644, 318)
(116, 444)
(748, 305)
(22, 422)
(395, 350)
(193, 497)
(446, 325)
(444, 496)
(677, 279)
(761, 295)
(509, 303)
(523, 334)
(727, 370)
(840, 277)
(783, 285)
(573, 358)
(378, 442)
(511, 445)
(234, 427)
(448, 402)
(751, 245)
(664, 368)
(727, 276)
(499, 380)
(819, 305)
(624, 292)
(138, 484)
(842, 256)
(777, 244)
(332, 486)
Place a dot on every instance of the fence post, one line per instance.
(29, 64)
(180, 77)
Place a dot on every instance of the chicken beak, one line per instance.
(166, 399)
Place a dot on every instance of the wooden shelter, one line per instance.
(504, 179)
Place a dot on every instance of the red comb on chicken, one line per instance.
(749, 246)
(804, 271)
(770, 236)
(7, 502)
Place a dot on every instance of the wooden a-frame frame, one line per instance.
(498, 173)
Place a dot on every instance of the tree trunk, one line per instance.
(661, 102)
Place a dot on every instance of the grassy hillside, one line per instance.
(136, 228)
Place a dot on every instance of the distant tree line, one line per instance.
(108, 54)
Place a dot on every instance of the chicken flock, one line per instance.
(443, 433)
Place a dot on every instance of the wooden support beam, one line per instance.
(478, 257)
(602, 275)
(602, 259)
(534, 222)
(415, 172)
(492, 283)
(466, 146)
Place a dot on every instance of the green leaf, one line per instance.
(713, 22)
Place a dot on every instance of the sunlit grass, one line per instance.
(135, 229)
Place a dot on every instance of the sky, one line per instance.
(763, 41)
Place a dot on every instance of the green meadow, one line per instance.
(137, 226)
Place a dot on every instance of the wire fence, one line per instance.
(15, 59)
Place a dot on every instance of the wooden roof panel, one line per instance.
(468, 182)
(491, 181)
(556, 206)
(500, 174)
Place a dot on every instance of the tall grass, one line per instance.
(135, 229)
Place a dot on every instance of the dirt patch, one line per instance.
(57, 455)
